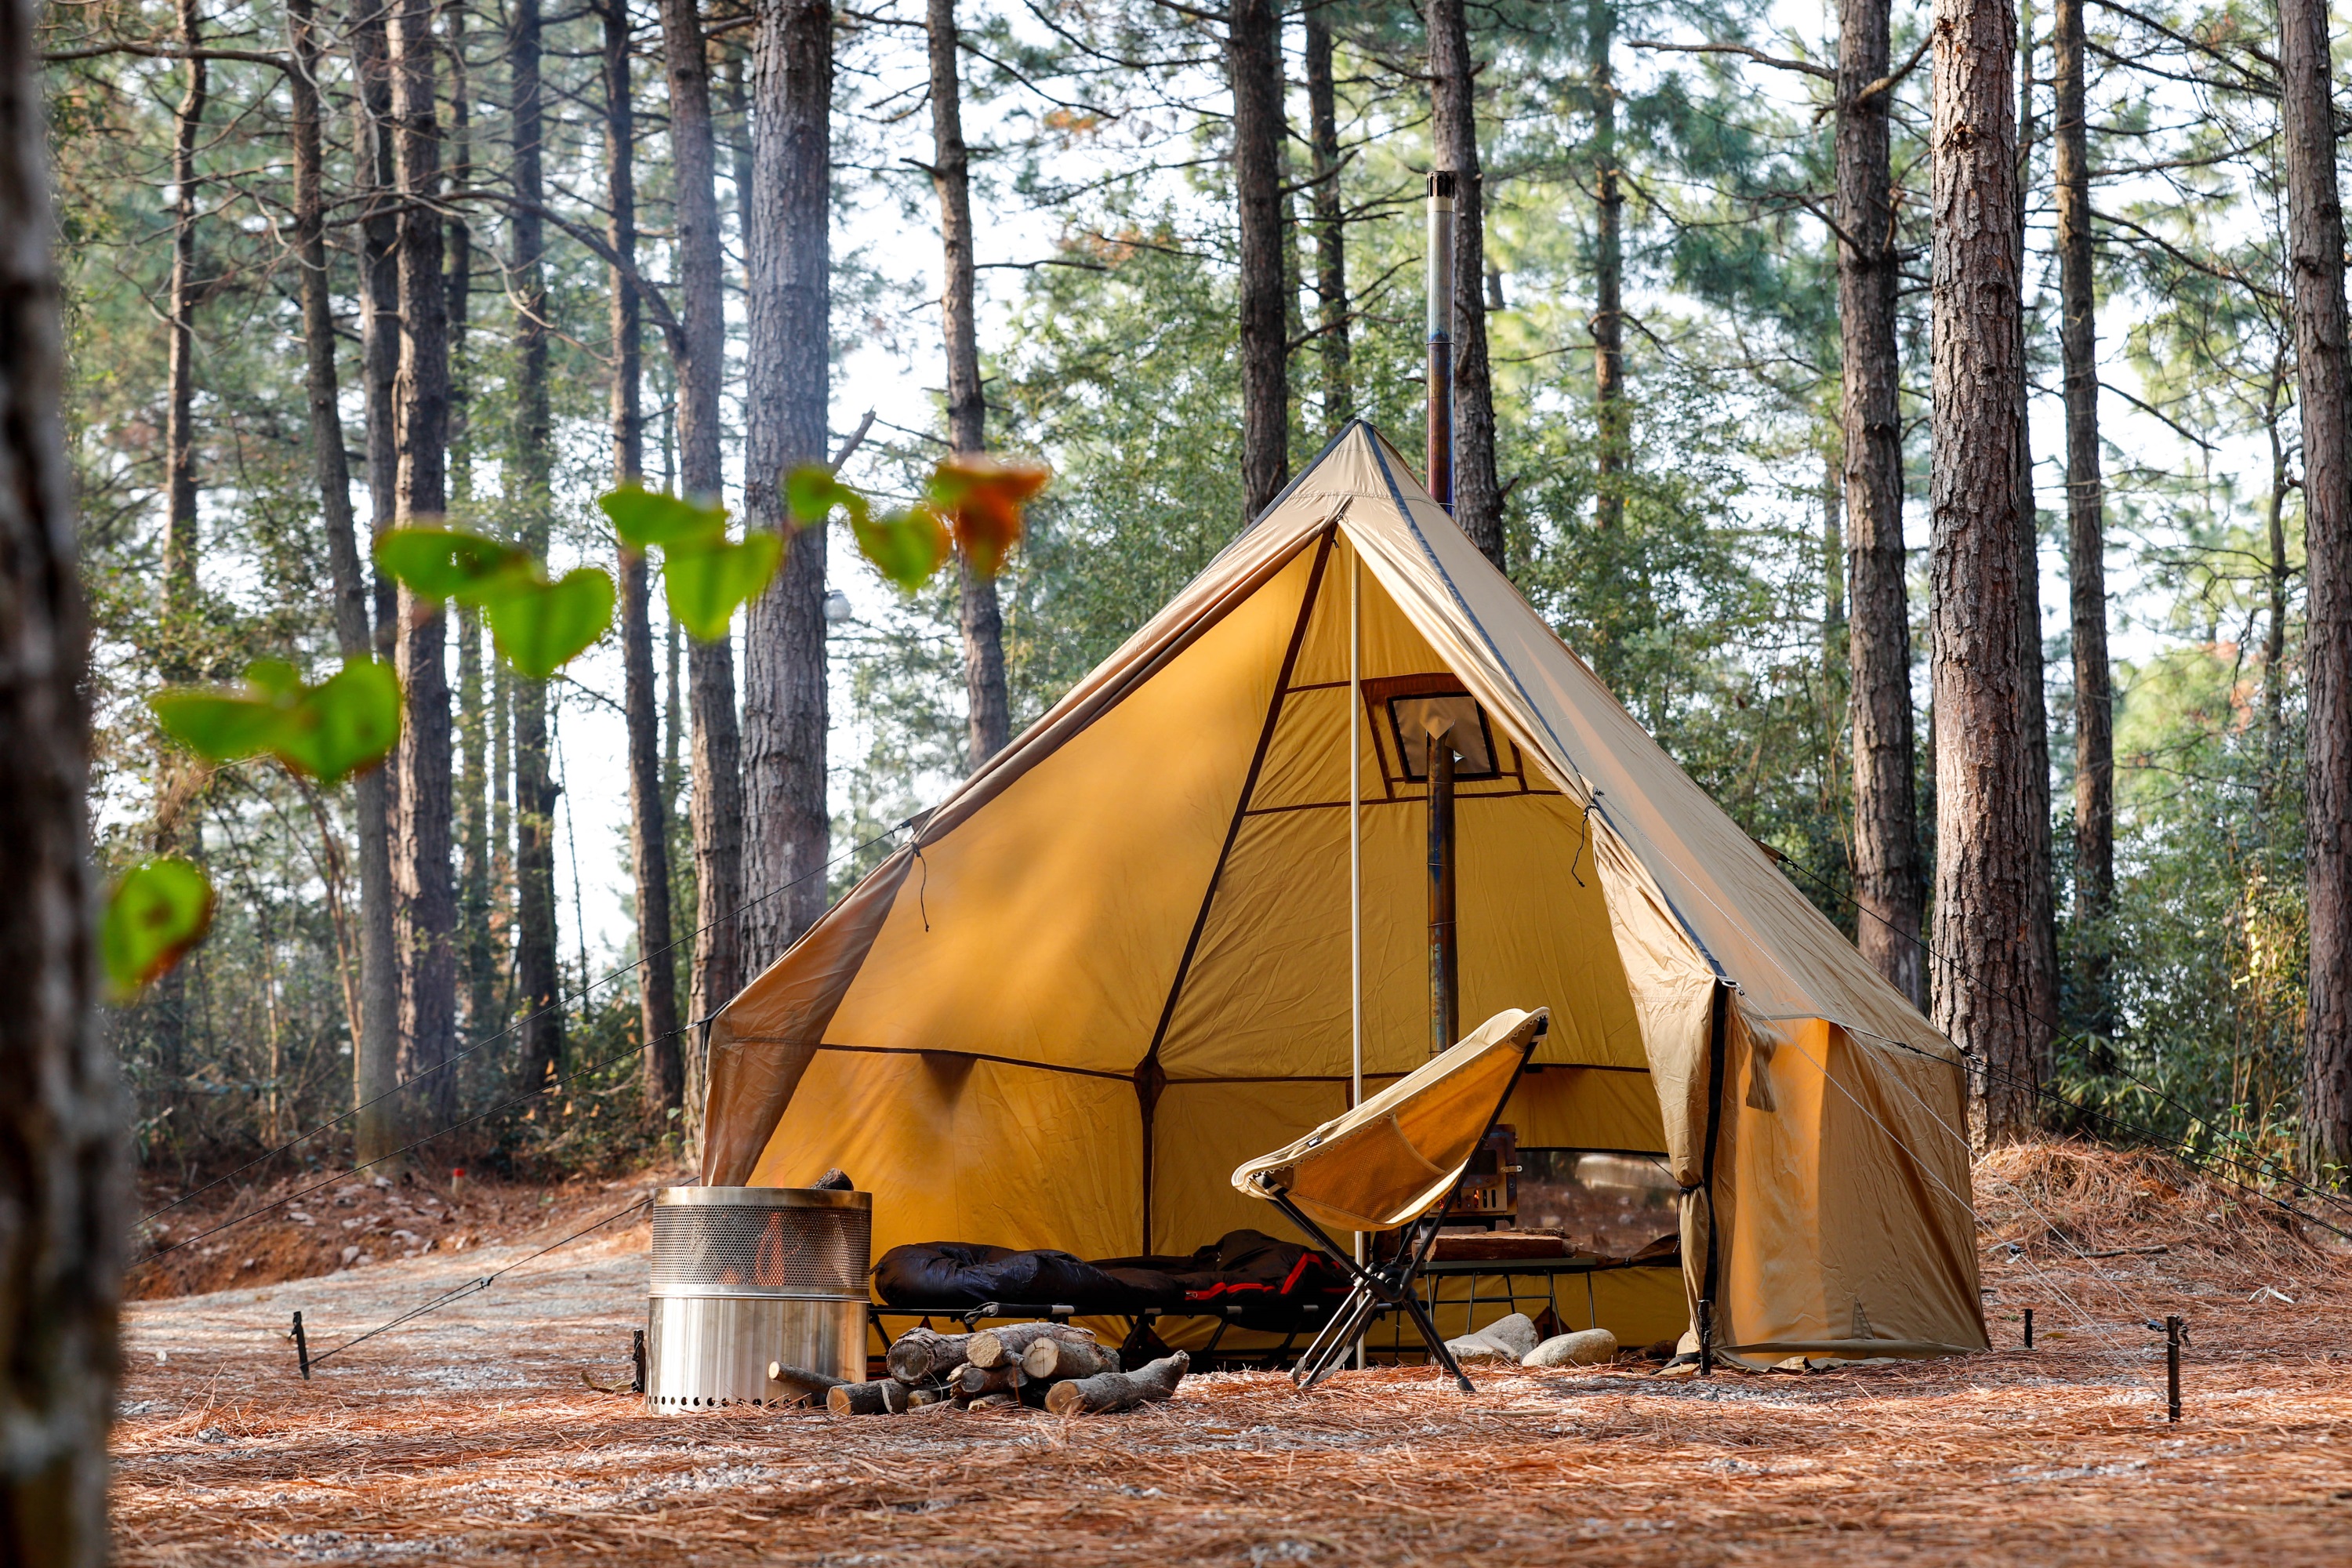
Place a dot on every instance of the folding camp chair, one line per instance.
(1392, 1164)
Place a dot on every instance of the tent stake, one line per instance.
(1706, 1338)
(637, 1356)
(2172, 1369)
(2029, 1327)
(301, 1348)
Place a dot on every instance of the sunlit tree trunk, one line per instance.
(61, 1133)
(535, 965)
(2315, 257)
(373, 1039)
(1254, 73)
(1330, 222)
(663, 1085)
(1608, 270)
(426, 906)
(717, 798)
(2037, 1004)
(378, 238)
(1477, 492)
(1983, 804)
(787, 829)
(990, 722)
(2094, 766)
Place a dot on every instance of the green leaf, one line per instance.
(905, 546)
(346, 722)
(645, 518)
(218, 726)
(438, 564)
(706, 582)
(158, 911)
(811, 492)
(543, 626)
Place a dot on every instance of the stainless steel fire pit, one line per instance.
(746, 1275)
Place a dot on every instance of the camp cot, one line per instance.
(1116, 962)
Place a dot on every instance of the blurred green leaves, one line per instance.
(705, 576)
(326, 732)
(538, 625)
(158, 911)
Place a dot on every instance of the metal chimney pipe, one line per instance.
(1441, 340)
(1445, 961)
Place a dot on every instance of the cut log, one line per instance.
(917, 1398)
(973, 1380)
(1118, 1390)
(1058, 1361)
(1001, 1347)
(887, 1396)
(921, 1353)
(801, 1380)
(995, 1401)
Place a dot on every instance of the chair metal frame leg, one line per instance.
(1389, 1288)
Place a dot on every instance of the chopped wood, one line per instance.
(1001, 1347)
(921, 1353)
(995, 1401)
(973, 1380)
(1058, 1361)
(1111, 1391)
(801, 1380)
(885, 1396)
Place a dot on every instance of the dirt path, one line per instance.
(470, 1438)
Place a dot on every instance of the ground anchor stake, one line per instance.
(2172, 1337)
(1706, 1339)
(637, 1356)
(301, 1347)
(2029, 1327)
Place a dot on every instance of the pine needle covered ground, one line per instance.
(471, 1435)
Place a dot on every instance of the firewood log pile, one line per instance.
(1047, 1366)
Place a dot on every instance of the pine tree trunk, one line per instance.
(1254, 70)
(1982, 937)
(373, 165)
(2038, 1004)
(662, 1080)
(1888, 881)
(789, 294)
(1477, 492)
(179, 428)
(717, 798)
(374, 1040)
(426, 904)
(2315, 254)
(1608, 272)
(459, 266)
(1331, 223)
(990, 722)
(2094, 766)
(475, 870)
(536, 966)
(61, 1123)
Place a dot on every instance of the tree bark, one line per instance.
(1982, 923)
(374, 1040)
(535, 965)
(1888, 879)
(179, 428)
(2038, 1004)
(2094, 766)
(60, 1126)
(425, 908)
(717, 798)
(1112, 1391)
(459, 266)
(1253, 71)
(989, 714)
(1608, 272)
(1330, 222)
(2316, 255)
(785, 827)
(662, 1079)
(378, 242)
(1477, 492)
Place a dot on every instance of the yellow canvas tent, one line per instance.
(1117, 961)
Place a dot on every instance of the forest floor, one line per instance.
(473, 1436)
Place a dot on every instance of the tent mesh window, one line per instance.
(1613, 1202)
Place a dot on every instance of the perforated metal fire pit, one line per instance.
(746, 1275)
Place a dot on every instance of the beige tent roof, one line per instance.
(1115, 963)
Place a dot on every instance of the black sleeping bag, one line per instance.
(1265, 1278)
